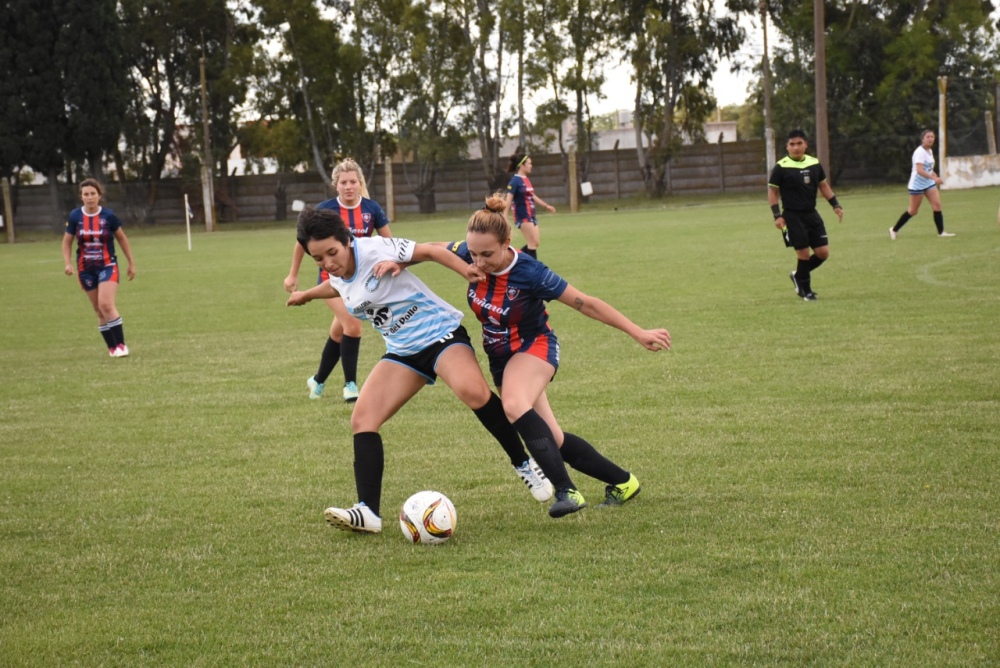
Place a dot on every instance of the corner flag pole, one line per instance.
(187, 218)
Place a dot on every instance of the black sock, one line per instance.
(802, 276)
(902, 221)
(585, 458)
(814, 262)
(939, 221)
(349, 357)
(369, 462)
(109, 338)
(533, 252)
(117, 333)
(538, 438)
(331, 355)
(492, 417)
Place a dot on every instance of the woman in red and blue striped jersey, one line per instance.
(95, 230)
(523, 352)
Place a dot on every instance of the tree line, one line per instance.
(112, 88)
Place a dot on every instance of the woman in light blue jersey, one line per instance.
(923, 183)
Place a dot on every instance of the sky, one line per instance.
(728, 88)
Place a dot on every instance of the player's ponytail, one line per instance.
(516, 161)
(492, 218)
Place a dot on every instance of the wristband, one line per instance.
(834, 203)
(776, 211)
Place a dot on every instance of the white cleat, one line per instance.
(946, 234)
(892, 234)
(359, 518)
(535, 479)
(120, 351)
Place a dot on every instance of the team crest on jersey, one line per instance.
(367, 217)
(512, 293)
(806, 179)
(371, 284)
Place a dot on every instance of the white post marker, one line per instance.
(187, 218)
(298, 205)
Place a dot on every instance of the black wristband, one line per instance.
(776, 211)
(834, 203)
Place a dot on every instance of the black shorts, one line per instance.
(425, 362)
(805, 229)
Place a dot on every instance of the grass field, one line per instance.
(821, 481)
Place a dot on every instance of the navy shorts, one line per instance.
(805, 229)
(545, 346)
(425, 362)
(91, 278)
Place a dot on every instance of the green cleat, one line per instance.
(617, 495)
(567, 501)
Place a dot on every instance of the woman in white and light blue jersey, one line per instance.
(923, 183)
(424, 339)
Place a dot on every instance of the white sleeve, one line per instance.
(395, 249)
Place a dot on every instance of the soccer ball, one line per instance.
(428, 518)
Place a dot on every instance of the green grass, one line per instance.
(820, 480)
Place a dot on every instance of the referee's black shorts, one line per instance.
(805, 229)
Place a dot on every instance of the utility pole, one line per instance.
(822, 129)
(768, 128)
(207, 186)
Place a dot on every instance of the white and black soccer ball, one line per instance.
(428, 518)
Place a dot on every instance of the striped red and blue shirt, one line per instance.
(95, 237)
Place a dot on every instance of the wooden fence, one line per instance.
(460, 186)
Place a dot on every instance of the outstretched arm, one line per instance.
(650, 339)
(435, 251)
(322, 291)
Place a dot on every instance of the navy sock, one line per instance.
(902, 221)
(329, 359)
(939, 221)
(814, 262)
(106, 334)
(492, 417)
(349, 347)
(117, 333)
(802, 276)
(369, 463)
(542, 446)
(585, 458)
(533, 252)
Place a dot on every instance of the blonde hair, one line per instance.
(348, 165)
(491, 219)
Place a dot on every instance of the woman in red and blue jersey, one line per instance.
(522, 195)
(523, 351)
(363, 217)
(95, 230)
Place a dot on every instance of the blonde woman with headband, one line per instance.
(363, 217)
(522, 195)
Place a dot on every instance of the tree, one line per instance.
(427, 133)
(96, 93)
(483, 48)
(674, 47)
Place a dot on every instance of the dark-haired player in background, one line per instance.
(95, 230)
(363, 217)
(522, 195)
(796, 178)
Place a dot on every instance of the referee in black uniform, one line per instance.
(796, 178)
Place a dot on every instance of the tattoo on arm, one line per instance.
(578, 303)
